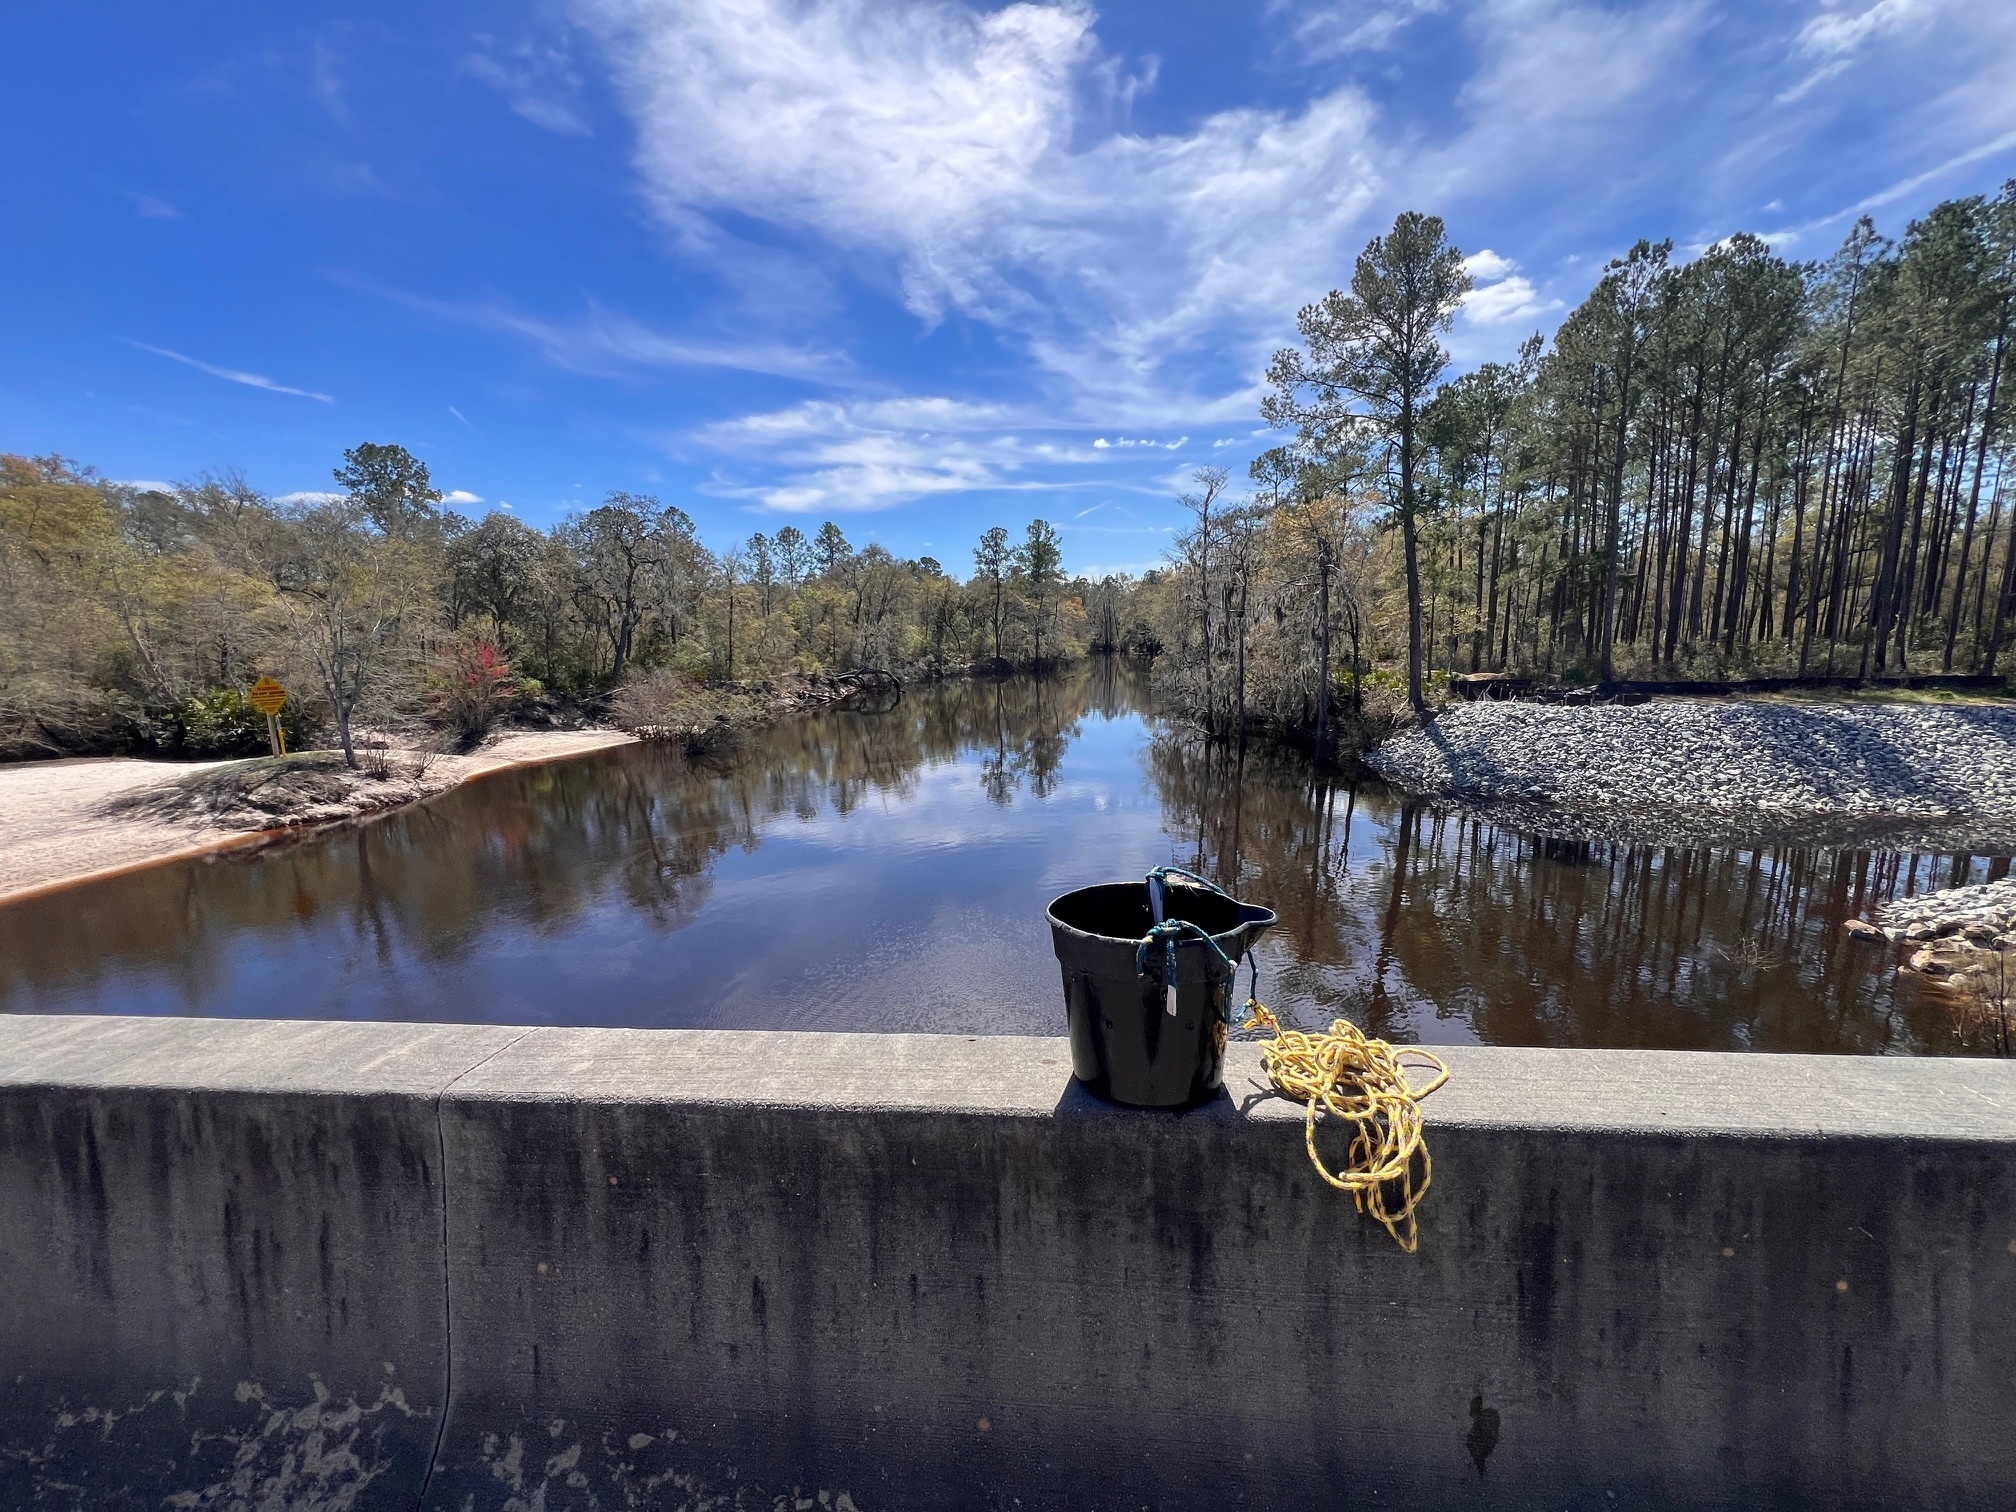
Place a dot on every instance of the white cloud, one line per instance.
(1105, 443)
(232, 375)
(824, 417)
(1487, 265)
(144, 485)
(148, 207)
(885, 125)
(308, 496)
(1146, 276)
(1511, 299)
(834, 462)
(461, 496)
(1836, 38)
(1500, 293)
(836, 456)
(947, 138)
(1839, 29)
(841, 457)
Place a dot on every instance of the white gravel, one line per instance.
(1724, 757)
(1989, 907)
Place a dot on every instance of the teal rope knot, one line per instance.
(1169, 932)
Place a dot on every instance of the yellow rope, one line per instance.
(1364, 1082)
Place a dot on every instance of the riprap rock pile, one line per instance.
(1771, 759)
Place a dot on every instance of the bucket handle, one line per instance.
(1159, 873)
(1169, 931)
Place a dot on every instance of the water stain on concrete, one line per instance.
(1483, 1435)
(321, 1453)
(639, 1471)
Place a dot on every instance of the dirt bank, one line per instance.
(64, 821)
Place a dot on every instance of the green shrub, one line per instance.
(220, 724)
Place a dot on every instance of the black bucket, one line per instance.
(1125, 1044)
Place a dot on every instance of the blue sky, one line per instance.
(916, 267)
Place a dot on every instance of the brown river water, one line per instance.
(887, 869)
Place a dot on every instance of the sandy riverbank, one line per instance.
(65, 821)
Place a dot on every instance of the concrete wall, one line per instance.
(612, 1268)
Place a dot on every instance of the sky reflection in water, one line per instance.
(888, 871)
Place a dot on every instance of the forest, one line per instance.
(1722, 464)
(134, 619)
(1725, 466)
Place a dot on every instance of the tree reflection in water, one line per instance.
(1425, 924)
(887, 870)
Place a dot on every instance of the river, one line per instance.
(887, 869)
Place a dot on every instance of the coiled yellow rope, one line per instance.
(1364, 1082)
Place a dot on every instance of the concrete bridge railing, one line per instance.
(343, 1266)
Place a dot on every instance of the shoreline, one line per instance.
(1680, 828)
(58, 828)
(98, 804)
(1744, 772)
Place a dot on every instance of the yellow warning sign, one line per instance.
(268, 696)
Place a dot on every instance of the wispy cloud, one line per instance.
(1891, 193)
(150, 207)
(1145, 277)
(232, 375)
(826, 455)
(946, 138)
(1334, 29)
(1842, 28)
(1839, 32)
(537, 79)
(608, 342)
(1556, 80)
(460, 416)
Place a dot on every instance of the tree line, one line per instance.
(1725, 465)
(134, 618)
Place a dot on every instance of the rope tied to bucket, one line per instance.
(1344, 1073)
(1170, 932)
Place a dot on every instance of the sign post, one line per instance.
(269, 698)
